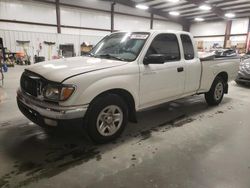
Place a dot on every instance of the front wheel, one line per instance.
(106, 118)
(215, 95)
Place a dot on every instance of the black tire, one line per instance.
(96, 107)
(211, 98)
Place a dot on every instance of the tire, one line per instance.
(100, 123)
(215, 95)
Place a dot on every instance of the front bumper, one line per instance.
(41, 112)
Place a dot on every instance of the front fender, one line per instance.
(88, 89)
(117, 82)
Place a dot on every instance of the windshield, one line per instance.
(124, 46)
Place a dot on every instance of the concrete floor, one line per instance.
(180, 144)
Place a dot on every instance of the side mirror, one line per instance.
(154, 59)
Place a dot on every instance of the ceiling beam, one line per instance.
(218, 11)
(233, 3)
(201, 15)
(239, 9)
(173, 6)
(152, 10)
(158, 4)
(180, 8)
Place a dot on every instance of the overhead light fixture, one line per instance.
(143, 7)
(230, 15)
(199, 19)
(174, 13)
(205, 7)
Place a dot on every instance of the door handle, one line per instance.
(180, 69)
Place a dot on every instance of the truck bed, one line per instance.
(212, 67)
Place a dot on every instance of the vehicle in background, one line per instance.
(245, 56)
(244, 72)
(225, 53)
(125, 72)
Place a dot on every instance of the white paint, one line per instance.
(27, 27)
(27, 11)
(162, 25)
(208, 29)
(85, 18)
(131, 23)
(240, 26)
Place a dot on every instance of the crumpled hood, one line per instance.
(59, 70)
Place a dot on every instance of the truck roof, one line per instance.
(156, 31)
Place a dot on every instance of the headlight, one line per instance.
(57, 92)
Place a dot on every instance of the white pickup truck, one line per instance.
(125, 72)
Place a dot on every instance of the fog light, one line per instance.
(50, 122)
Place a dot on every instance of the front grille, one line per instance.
(31, 84)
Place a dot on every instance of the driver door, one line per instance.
(160, 82)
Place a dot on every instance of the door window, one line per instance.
(167, 45)
(188, 47)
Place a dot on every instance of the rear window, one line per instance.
(188, 47)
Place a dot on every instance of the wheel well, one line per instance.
(224, 76)
(128, 98)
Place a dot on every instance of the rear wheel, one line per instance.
(215, 95)
(106, 118)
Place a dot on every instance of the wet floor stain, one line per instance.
(53, 162)
(133, 157)
(145, 134)
(219, 112)
(163, 127)
(60, 157)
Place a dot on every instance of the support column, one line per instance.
(248, 38)
(58, 16)
(151, 21)
(186, 27)
(227, 32)
(112, 16)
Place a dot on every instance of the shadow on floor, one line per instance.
(39, 155)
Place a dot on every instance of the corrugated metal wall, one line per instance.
(35, 38)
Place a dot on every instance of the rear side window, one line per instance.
(167, 45)
(188, 47)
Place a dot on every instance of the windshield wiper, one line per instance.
(111, 57)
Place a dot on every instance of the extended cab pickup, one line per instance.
(124, 73)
